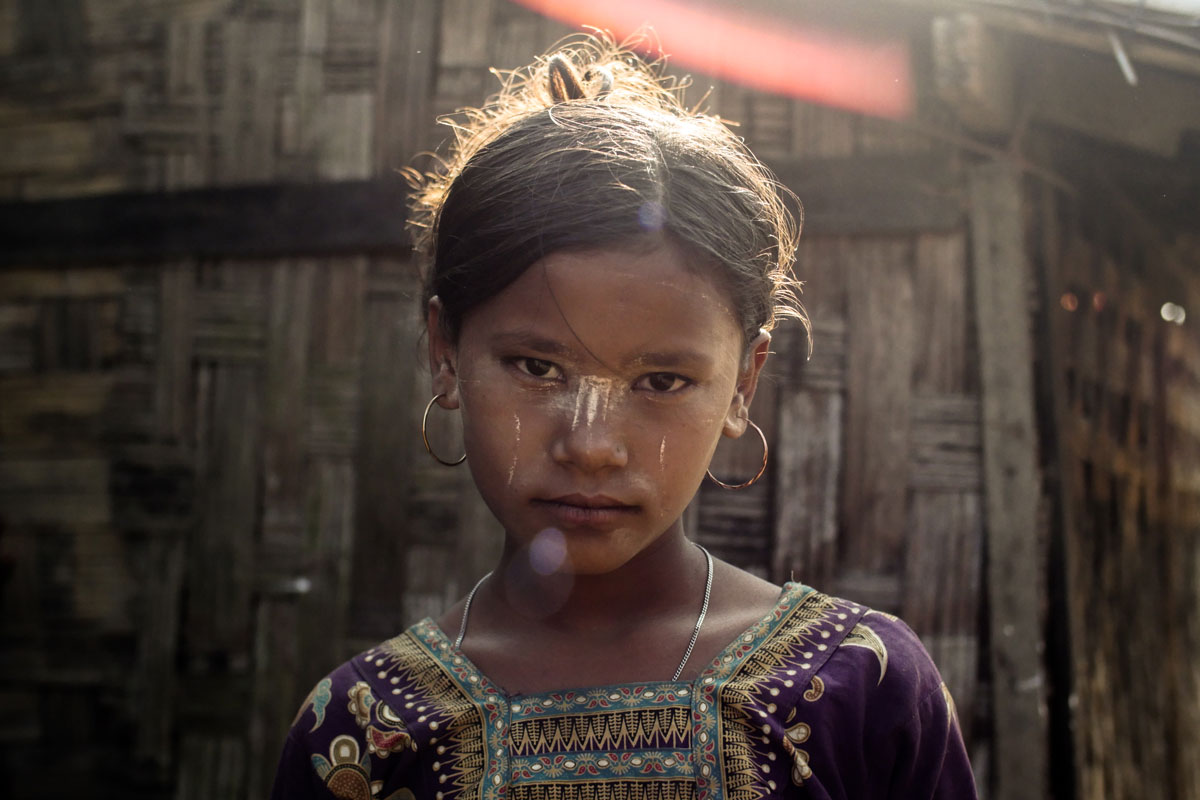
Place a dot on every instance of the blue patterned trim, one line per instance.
(490, 700)
(707, 728)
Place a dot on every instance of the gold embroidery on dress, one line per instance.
(625, 729)
(862, 636)
(653, 789)
(797, 643)
(818, 689)
(463, 763)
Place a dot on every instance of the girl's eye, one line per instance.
(663, 382)
(538, 368)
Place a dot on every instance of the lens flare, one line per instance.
(652, 216)
(547, 551)
(868, 74)
(1173, 312)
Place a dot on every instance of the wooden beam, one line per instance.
(253, 221)
(1086, 92)
(843, 196)
(1091, 35)
(875, 195)
(993, 67)
(1011, 486)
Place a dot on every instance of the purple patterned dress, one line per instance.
(822, 698)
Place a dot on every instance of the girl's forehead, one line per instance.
(619, 300)
(659, 281)
(663, 264)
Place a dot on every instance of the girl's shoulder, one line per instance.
(386, 690)
(365, 721)
(829, 645)
(850, 694)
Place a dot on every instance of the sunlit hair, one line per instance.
(590, 147)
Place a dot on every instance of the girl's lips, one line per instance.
(587, 510)
(589, 501)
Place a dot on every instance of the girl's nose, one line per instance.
(591, 438)
(591, 448)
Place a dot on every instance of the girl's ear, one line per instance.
(739, 408)
(443, 357)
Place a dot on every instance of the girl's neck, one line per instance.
(666, 575)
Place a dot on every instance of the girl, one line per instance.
(603, 268)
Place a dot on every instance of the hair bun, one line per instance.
(600, 73)
(564, 83)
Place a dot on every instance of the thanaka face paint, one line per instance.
(592, 398)
(512, 468)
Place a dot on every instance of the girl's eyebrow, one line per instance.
(673, 359)
(681, 358)
(531, 341)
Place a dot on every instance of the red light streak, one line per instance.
(872, 76)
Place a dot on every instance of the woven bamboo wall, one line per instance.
(1125, 385)
(211, 489)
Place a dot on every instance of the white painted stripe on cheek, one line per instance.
(593, 399)
(579, 400)
(512, 469)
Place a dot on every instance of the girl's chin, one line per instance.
(567, 551)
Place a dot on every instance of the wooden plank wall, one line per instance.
(211, 488)
(1127, 432)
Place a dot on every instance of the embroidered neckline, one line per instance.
(441, 647)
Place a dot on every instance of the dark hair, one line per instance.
(591, 148)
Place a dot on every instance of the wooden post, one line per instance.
(1011, 485)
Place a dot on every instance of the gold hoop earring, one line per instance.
(425, 436)
(761, 469)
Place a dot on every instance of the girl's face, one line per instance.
(593, 391)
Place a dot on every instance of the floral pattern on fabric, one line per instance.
(386, 732)
(348, 776)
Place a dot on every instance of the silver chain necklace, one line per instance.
(462, 628)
